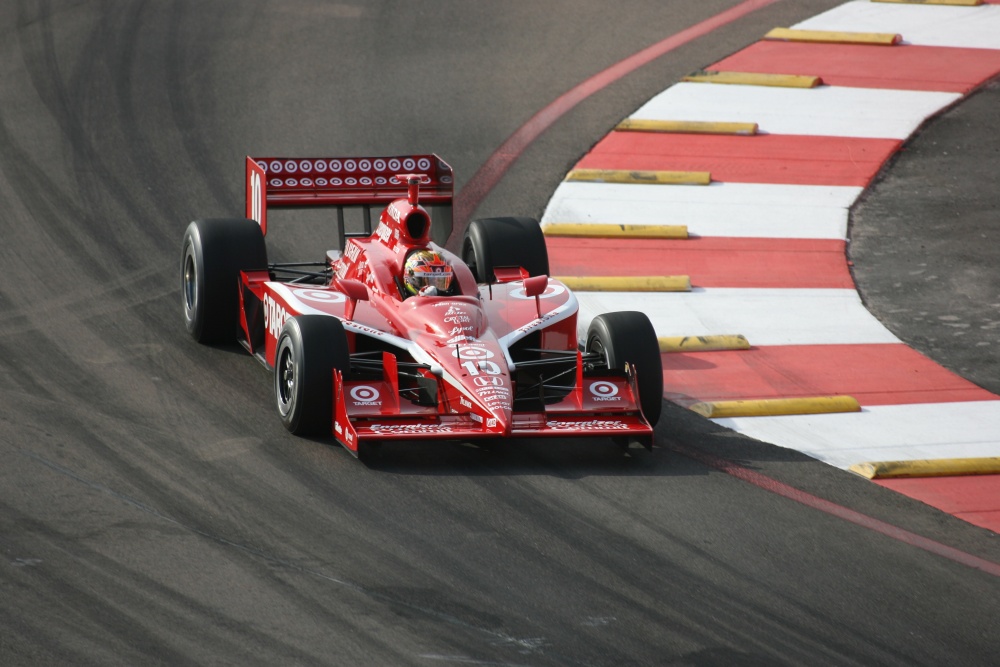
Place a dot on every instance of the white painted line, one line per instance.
(720, 209)
(764, 316)
(925, 25)
(824, 111)
(884, 433)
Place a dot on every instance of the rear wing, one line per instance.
(349, 182)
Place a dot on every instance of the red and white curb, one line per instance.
(766, 239)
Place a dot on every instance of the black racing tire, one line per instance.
(492, 242)
(309, 348)
(628, 336)
(214, 253)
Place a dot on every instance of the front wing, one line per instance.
(605, 406)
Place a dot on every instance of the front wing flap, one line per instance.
(603, 406)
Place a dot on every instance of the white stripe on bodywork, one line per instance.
(557, 314)
(415, 351)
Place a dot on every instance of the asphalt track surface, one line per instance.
(154, 511)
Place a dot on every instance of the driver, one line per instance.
(426, 273)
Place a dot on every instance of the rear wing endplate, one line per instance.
(348, 182)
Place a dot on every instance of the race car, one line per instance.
(393, 337)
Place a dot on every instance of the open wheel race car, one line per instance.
(393, 337)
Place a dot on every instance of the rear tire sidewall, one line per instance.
(628, 337)
(214, 252)
(309, 348)
(512, 241)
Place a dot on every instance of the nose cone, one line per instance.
(500, 422)
(458, 319)
(492, 392)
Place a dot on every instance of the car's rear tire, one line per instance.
(493, 242)
(214, 253)
(309, 348)
(628, 337)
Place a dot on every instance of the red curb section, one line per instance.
(762, 158)
(876, 374)
(972, 498)
(709, 261)
(928, 68)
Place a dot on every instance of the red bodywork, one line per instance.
(437, 367)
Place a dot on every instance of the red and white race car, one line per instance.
(394, 337)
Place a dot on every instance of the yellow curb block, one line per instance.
(703, 343)
(586, 229)
(755, 79)
(927, 468)
(645, 177)
(954, 3)
(627, 283)
(773, 407)
(685, 127)
(789, 35)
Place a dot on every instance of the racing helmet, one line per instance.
(426, 268)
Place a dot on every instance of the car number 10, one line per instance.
(488, 367)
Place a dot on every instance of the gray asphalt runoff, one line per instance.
(924, 241)
(153, 511)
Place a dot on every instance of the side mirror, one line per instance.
(536, 285)
(355, 290)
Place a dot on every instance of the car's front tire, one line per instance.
(628, 337)
(309, 348)
(493, 242)
(214, 253)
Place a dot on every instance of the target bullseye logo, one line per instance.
(365, 394)
(320, 296)
(550, 291)
(604, 391)
(469, 352)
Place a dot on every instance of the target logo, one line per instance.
(604, 391)
(365, 395)
(472, 353)
(550, 291)
(320, 296)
